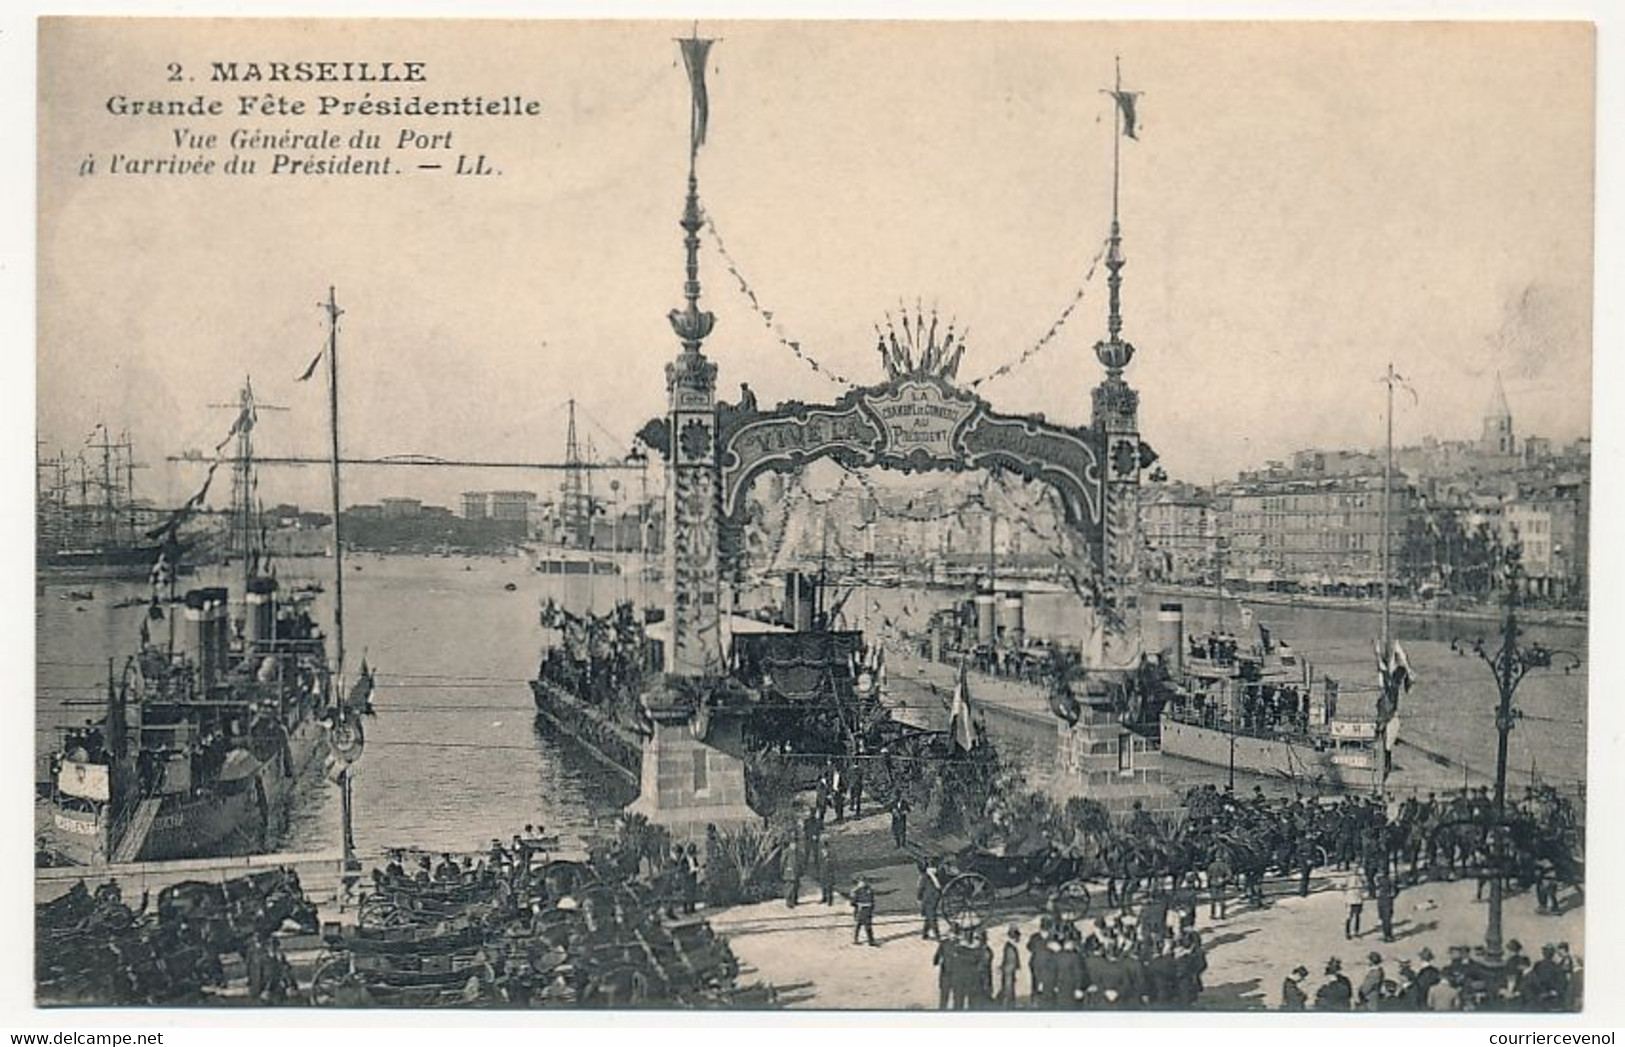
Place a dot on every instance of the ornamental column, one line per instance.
(693, 579)
(693, 772)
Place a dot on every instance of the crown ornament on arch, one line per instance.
(919, 351)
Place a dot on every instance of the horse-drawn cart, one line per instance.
(978, 882)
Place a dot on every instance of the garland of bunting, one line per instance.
(773, 328)
(1054, 328)
(766, 315)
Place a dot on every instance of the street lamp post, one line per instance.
(1509, 664)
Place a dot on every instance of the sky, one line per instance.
(1304, 204)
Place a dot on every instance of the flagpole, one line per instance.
(1117, 139)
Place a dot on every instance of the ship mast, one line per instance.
(1387, 644)
(347, 806)
(333, 314)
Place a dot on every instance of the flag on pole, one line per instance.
(1401, 669)
(1126, 101)
(959, 713)
(695, 51)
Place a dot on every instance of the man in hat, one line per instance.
(863, 910)
(826, 873)
(1292, 994)
(1542, 988)
(1385, 905)
(1336, 993)
(929, 892)
(1354, 904)
(1427, 976)
(1516, 966)
(1009, 967)
(793, 869)
(899, 822)
(1040, 964)
(1371, 984)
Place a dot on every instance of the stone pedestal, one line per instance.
(689, 783)
(1106, 762)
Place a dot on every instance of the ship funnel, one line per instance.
(260, 624)
(986, 628)
(207, 633)
(1171, 637)
(1013, 619)
(800, 601)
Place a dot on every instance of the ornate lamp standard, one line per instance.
(1509, 664)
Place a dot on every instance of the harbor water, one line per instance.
(456, 757)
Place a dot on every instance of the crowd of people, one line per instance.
(1122, 963)
(1472, 979)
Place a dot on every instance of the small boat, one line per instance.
(79, 594)
(511, 587)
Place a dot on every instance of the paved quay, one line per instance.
(807, 954)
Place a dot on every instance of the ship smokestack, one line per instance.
(800, 601)
(986, 627)
(207, 633)
(1171, 637)
(1013, 619)
(260, 624)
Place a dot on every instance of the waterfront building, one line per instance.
(1181, 534)
(1305, 530)
(401, 508)
(512, 505)
(474, 505)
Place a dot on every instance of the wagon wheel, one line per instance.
(330, 974)
(374, 910)
(1071, 901)
(965, 901)
(562, 878)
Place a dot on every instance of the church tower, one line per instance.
(1498, 440)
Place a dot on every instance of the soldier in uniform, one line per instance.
(899, 822)
(1385, 905)
(863, 911)
(826, 873)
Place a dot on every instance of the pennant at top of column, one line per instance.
(695, 52)
(1126, 105)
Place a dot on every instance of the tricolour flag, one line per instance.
(695, 51)
(959, 712)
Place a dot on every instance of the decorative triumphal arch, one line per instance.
(918, 419)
